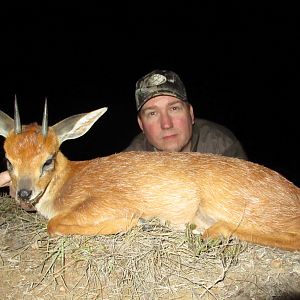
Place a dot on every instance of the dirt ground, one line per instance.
(149, 262)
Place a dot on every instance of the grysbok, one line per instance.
(221, 196)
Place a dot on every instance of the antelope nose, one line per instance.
(24, 194)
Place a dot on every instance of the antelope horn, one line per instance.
(17, 121)
(45, 120)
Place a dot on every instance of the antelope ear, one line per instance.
(6, 124)
(77, 125)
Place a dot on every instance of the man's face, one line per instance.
(167, 123)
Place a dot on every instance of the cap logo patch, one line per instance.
(156, 79)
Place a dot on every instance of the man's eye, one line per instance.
(151, 114)
(175, 108)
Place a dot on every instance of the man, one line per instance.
(167, 120)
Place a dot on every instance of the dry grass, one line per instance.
(149, 262)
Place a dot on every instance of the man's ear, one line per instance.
(192, 114)
(140, 122)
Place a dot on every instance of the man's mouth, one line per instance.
(169, 137)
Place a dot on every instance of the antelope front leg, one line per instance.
(219, 229)
(67, 224)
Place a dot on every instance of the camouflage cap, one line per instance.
(156, 83)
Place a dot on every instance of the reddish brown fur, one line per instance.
(220, 195)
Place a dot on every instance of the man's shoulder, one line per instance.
(203, 125)
(211, 137)
(139, 143)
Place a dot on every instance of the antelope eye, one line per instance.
(9, 165)
(48, 162)
(48, 165)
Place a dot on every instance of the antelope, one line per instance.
(220, 196)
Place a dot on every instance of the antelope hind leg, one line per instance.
(284, 240)
(66, 224)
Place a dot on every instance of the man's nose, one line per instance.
(166, 121)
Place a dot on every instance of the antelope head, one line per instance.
(32, 151)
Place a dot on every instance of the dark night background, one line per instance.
(239, 63)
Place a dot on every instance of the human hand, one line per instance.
(5, 179)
